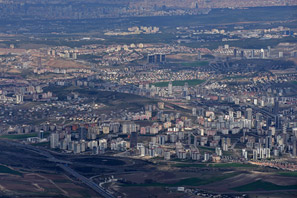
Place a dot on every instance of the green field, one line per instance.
(189, 165)
(205, 149)
(18, 137)
(243, 43)
(232, 165)
(109, 98)
(234, 77)
(217, 165)
(294, 82)
(195, 64)
(288, 174)
(194, 181)
(5, 169)
(22, 136)
(179, 83)
(262, 186)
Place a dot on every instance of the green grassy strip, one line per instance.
(288, 174)
(232, 165)
(262, 186)
(189, 165)
(235, 77)
(5, 169)
(21, 136)
(179, 83)
(187, 182)
(217, 165)
(204, 148)
(195, 64)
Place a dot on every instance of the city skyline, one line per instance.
(127, 98)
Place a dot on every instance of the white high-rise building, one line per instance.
(19, 99)
(170, 88)
(294, 130)
(54, 140)
(167, 155)
(194, 111)
(255, 154)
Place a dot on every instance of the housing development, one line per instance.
(186, 104)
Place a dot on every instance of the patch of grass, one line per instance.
(194, 181)
(234, 77)
(217, 165)
(5, 169)
(189, 165)
(294, 82)
(248, 43)
(112, 100)
(262, 185)
(232, 165)
(288, 174)
(19, 136)
(195, 64)
(204, 148)
(179, 83)
(22, 136)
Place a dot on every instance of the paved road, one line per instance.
(263, 111)
(64, 165)
(233, 145)
(88, 182)
(205, 83)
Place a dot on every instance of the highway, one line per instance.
(233, 145)
(40, 151)
(64, 165)
(205, 83)
(88, 182)
(263, 111)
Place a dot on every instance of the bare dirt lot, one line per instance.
(42, 185)
(65, 64)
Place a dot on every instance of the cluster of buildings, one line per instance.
(27, 92)
(110, 55)
(205, 135)
(135, 30)
(264, 129)
(220, 112)
(201, 35)
(226, 51)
